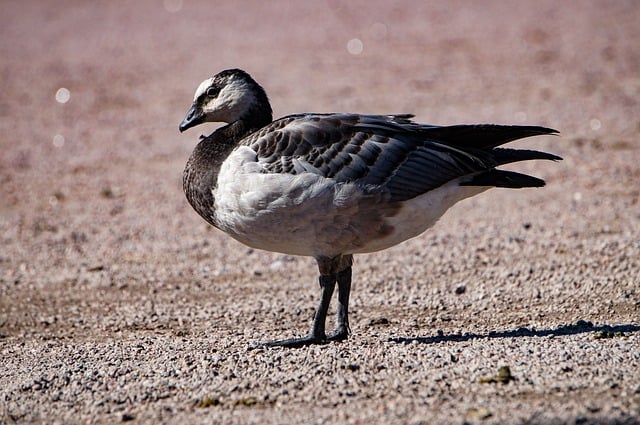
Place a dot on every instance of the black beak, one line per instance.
(193, 118)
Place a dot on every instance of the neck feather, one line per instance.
(200, 176)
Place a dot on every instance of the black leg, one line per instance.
(331, 269)
(317, 333)
(342, 330)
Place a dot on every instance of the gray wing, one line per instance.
(390, 152)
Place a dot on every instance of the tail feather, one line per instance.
(484, 135)
(502, 178)
(506, 156)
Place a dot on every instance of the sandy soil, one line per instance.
(118, 303)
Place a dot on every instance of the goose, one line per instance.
(331, 185)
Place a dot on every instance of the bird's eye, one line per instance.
(212, 92)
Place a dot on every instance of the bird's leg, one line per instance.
(342, 330)
(327, 284)
(317, 333)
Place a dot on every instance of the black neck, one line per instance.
(201, 172)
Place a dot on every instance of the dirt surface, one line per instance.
(118, 303)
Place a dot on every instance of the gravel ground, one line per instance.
(118, 303)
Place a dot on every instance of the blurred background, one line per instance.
(92, 94)
(130, 69)
(98, 244)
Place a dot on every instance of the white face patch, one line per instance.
(202, 87)
(234, 99)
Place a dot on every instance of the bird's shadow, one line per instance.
(582, 326)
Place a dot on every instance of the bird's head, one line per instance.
(229, 96)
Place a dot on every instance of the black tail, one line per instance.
(502, 178)
(484, 135)
(506, 156)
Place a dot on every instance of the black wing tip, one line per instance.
(540, 131)
(525, 130)
(484, 136)
(507, 155)
(503, 178)
(548, 156)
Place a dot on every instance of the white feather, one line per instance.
(234, 99)
(202, 88)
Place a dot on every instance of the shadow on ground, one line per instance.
(582, 326)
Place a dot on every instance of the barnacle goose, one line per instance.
(334, 185)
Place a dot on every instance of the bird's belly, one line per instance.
(311, 215)
(418, 214)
